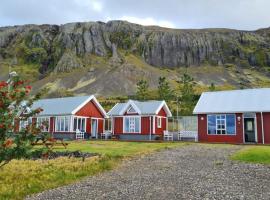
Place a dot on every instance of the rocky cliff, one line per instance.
(48, 44)
(68, 47)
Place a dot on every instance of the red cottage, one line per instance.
(137, 120)
(238, 116)
(66, 116)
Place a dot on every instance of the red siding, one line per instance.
(266, 125)
(100, 125)
(163, 122)
(90, 110)
(163, 125)
(145, 125)
(52, 119)
(118, 125)
(162, 113)
(88, 125)
(204, 137)
(259, 127)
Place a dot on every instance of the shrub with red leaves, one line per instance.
(15, 101)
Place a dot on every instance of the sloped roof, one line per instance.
(234, 101)
(143, 107)
(63, 106)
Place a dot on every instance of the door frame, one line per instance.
(255, 126)
(96, 119)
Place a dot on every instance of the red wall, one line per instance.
(204, 137)
(118, 125)
(160, 130)
(90, 110)
(163, 127)
(146, 125)
(266, 125)
(100, 125)
(259, 127)
(52, 120)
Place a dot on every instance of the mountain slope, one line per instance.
(109, 58)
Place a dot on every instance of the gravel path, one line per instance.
(190, 172)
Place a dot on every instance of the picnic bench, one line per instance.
(50, 143)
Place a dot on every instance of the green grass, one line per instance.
(253, 154)
(23, 177)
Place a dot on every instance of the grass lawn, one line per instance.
(253, 154)
(23, 177)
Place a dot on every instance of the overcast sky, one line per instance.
(239, 14)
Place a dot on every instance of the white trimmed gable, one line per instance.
(131, 110)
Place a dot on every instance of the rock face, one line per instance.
(60, 48)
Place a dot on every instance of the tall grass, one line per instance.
(23, 177)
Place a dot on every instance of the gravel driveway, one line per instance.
(194, 171)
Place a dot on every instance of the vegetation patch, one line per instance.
(23, 177)
(254, 154)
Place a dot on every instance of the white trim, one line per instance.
(225, 124)
(255, 127)
(96, 119)
(262, 123)
(78, 117)
(154, 124)
(159, 122)
(150, 132)
(92, 97)
(167, 110)
(49, 124)
(130, 102)
(62, 116)
(132, 116)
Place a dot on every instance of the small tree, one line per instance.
(14, 107)
(142, 90)
(187, 94)
(164, 89)
(212, 87)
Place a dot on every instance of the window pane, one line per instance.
(83, 125)
(126, 125)
(137, 124)
(211, 124)
(66, 123)
(75, 124)
(230, 124)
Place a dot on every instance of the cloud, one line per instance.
(148, 21)
(239, 14)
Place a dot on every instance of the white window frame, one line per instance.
(62, 118)
(225, 121)
(159, 122)
(24, 123)
(79, 117)
(220, 121)
(129, 130)
(41, 120)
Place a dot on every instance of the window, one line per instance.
(221, 124)
(79, 123)
(132, 124)
(25, 123)
(43, 123)
(159, 122)
(131, 110)
(62, 124)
